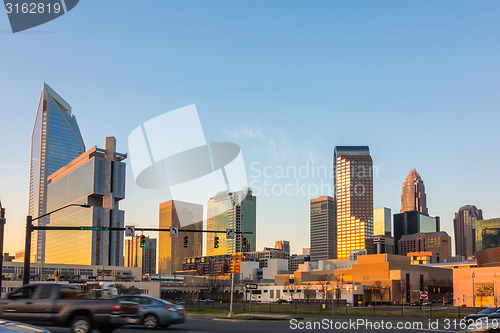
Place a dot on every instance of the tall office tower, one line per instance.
(413, 197)
(413, 222)
(96, 178)
(353, 185)
(283, 245)
(55, 141)
(137, 256)
(323, 228)
(171, 250)
(464, 225)
(232, 210)
(382, 221)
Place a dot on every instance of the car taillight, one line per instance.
(170, 308)
(116, 308)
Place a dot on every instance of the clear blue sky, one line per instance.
(417, 81)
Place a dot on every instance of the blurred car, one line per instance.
(416, 303)
(155, 312)
(483, 325)
(495, 315)
(480, 314)
(12, 326)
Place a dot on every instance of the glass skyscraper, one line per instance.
(413, 196)
(96, 178)
(171, 252)
(464, 225)
(382, 221)
(487, 234)
(233, 210)
(323, 228)
(56, 140)
(353, 185)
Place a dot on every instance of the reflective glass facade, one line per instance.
(56, 140)
(233, 210)
(464, 225)
(413, 222)
(171, 250)
(353, 167)
(382, 221)
(323, 228)
(487, 234)
(95, 178)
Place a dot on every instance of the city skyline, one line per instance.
(435, 65)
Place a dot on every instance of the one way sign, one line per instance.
(230, 233)
(129, 231)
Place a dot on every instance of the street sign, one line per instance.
(229, 233)
(94, 228)
(251, 286)
(424, 295)
(129, 231)
(174, 232)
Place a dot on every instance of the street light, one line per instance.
(27, 244)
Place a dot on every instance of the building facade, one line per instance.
(439, 243)
(413, 197)
(171, 251)
(353, 186)
(283, 245)
(137, 256)
(382, 221)
(323, 228)
(232, 210)
(464, 225)
(96, 178)
(413, 222)
(55, 141)
(487, 234)
(383, 244)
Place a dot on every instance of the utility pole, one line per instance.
(230, 314)
(2, 226)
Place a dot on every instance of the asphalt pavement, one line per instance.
(311, 324)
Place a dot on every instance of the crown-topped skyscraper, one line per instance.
(413, 197)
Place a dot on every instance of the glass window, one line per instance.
(24, 293)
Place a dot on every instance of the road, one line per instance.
(313, 324)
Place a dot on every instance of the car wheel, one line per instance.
(150, 321)
(81, 324)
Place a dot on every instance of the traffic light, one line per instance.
(143, 241)
(186, 241)
(216, 242)
(243, 242)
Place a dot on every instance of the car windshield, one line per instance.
(487, 311)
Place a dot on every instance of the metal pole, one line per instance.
(2, 225)
(27, 251)
(232, 288)
(250, 305)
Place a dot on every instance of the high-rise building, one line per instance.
(96, 178)
(232, 210)
(283, 245)
(137, 256)
(55, 141)
(413, 197)
(382, 221)
(487, 234)
(383, 244)
(353, 185)
(171, 250)
(323, 228)
(413, 222)
(439, 243)
(464, 225)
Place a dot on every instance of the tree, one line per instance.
(292, 288)
(339, 284)
(324, 282)
(309, 291)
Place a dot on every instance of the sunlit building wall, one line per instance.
(55, 141)
(171, 250)
(353, 183)
(96, 178)
(382, 221)
(323, 228)
(233, 210)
